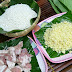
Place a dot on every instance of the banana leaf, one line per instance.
(67, 3)
(61, 5)
(39, 34)
(54, 7)
(26, 44)
(31, 3)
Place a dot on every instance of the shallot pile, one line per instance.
(15, 59)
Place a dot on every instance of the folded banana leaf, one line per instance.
(67, 3)
(61, 5)
(31, 3)
(26, 44)
(39, 34)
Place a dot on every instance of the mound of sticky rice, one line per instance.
(17, 17)
(59, 37)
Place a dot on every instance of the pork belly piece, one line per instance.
(7, 70)
(3, 68)
(27, 67)
(24, 51)
(17, 51)
(2, 58)
(1, 63)
(3, 52)
(18, 48)
(8, 57)
(12, 53)
(24, 58)
(16, 69)
(10, 64)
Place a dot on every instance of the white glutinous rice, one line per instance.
(17, 17)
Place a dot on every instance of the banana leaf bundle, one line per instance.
(61, 5)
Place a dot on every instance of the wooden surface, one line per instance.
(47, 11)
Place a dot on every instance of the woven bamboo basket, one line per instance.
(26, 31)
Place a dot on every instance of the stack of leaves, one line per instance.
(61, 5)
